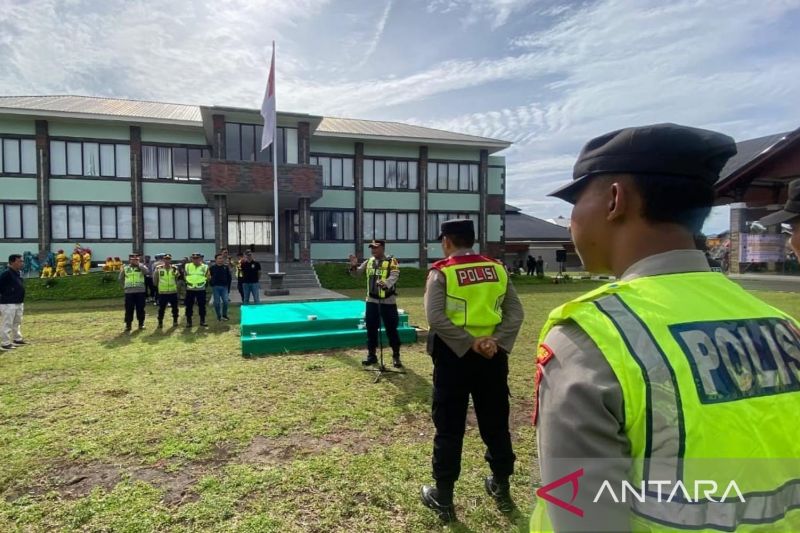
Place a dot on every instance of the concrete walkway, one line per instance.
(295, 295)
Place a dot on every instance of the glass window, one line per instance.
(30, 221)
(232, 142)
(164, 162)
(265, 155)
(463, 177)
(412, 175)
(347, 171)
(2, 209)
(195, 171)
(325, 162)
(380, 225)
(208, 223)
(402, 174)
(291, 147)
(432, 176)
(380, 174)
(391, 174)
(402, 226)
(413, 226)
(108, 222)
(74, 159)
(180, 163)
(13, 221)
(248, 142)
(149, 162)
(165, 227)
(452, 176)
(75, 220)
(10, 156)
(391, 226)
(58, 158)
(181, 223)
(124, 223)
(195, 224)
(441, 170)
(28, 156)
(91, 159)
(150, 222)
(473, 178)
(107, 166)
(58, 221)
(123, 161)
(369, 179)
(336, 172)
(281, 146)
(91, 222)
(1, 166)
(369, 226)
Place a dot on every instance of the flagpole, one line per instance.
(276, 237)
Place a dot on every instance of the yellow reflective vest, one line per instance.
(167, 279)
(196, 276)
(378, 270)
(710, 379)
(134, 277)
(476, 287)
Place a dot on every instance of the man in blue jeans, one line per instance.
(220, 286)
(251, 273)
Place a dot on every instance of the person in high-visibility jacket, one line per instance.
(666, 399)
(77, 260)
(196, 276)
(474, 316)
(61, 264)
(790, 214)
(382, 273)
(132, 279)
(87, 260)
(165, 278)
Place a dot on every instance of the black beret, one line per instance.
(790, 211)
(659, 150)
(457, 226)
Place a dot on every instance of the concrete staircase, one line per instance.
(298, 275)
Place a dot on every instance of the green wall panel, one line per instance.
(454, 153)
(453, 202)
(173, 193)
(179, 250)
(332, 146)
(391, 150)
(331, 251)
(494, 225)
(78, 190)
(90, 130)
(8, 248)
(391, 200)
(174, 135)
(401, 250)
(435, 251)
(336, 199)
(17, 189)
(495, 180)
(497, 160)
(17, 126)
(100, 250)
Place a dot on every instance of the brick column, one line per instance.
(43, 184)
(303, 143)
(738, 226)
(358, 180)
(218, 139)
(483, 189)
(137, 217)
(221, 220)
(422, 175)
(304, 218)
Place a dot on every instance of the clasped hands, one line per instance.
(486, 346)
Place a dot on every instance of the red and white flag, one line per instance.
(268, 106)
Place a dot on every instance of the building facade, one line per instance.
(119, 176)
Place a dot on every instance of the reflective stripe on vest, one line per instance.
(196, 276)
(167, 280)
(708, 374)
(476, 287)
(380, 272)
(134, 278)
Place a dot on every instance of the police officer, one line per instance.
(670, 363)
(382, 271)
(474, 316)
(165, 279)
(789, 215)
(197, 275)
(132, 278)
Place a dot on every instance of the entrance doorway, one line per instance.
(247, 230)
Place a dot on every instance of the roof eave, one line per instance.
(95, 116)
(492, 146)
(726, 184)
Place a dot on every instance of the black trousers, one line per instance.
(167, 299)
(134, 301)
(388, 313)
(200, 298)
(454, 380)
(531, 270)
(241, 289)
(150, 287)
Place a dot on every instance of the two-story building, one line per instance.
(121, 175)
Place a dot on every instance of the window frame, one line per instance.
(345, 238)
(390, 162)
(460, 166)
(257, 131)
(396, 213)
(205, 152)
(204, 211)
(83, 205)
(82, 141)
(433, 229)
(5, 217)
(313, 159)
(19, 139)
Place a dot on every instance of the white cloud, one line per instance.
(474, 11)
(376, 38)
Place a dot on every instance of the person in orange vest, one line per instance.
(76, 261)
(61, 264)
(87, 260)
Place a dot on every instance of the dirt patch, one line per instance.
(276, 450)
(78, 480)
(176, 485)
(116, 393)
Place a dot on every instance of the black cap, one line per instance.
(197, 255)
(377, 242)
(133, 256)
(658, 150)
(790, 211)
(457, 226)
(167, 256)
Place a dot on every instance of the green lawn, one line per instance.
(175, 431)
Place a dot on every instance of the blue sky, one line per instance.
(546, 75)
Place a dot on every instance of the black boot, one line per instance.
(370, 360)
(396, 360)
(444, 509)
(188, 322)
(500, 490)
(127, 327)
(160, 323)
(175, 322)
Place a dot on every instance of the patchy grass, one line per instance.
(175, 431)
(92, 286)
